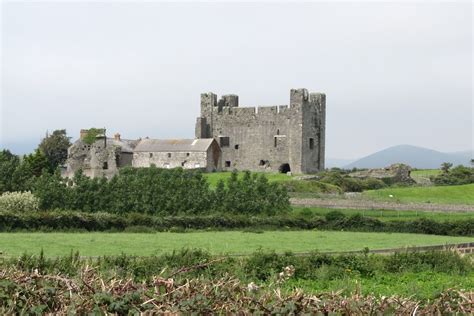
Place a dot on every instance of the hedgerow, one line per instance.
(162, 192)
(58, 220)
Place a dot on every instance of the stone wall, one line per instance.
(209, 161)
(266, 138)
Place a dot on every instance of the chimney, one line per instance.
(117, 136)
(83, 133)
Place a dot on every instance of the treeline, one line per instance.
(161, 192)
(20, 173)
(454, 176)
(138, 222)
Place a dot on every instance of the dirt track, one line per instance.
(365, 204)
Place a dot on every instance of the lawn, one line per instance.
(227, 242)
(214, 177)
(454, 194)
(387, 215)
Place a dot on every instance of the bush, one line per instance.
(455, 176)
(18, 202)
(334, 216)
(164, 192)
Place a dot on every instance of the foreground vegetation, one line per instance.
(216, 242)
(455, 194)
(195, 281)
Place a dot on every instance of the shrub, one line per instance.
(165, 192)
(334, 216)
(455, 176)
(18, 202)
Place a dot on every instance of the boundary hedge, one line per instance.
(82, 221)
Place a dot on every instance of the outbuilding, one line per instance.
(203, 153)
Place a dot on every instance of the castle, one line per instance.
(266, 138)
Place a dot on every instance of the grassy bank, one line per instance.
(455, 194)
(214, 177)
(386, 215)
(226, 242)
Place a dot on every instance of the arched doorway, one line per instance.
(284, 168)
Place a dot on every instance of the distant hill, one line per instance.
(417, 157)
(336, 162)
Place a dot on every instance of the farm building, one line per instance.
(227, 136)
(172, 153)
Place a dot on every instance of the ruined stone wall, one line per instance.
(266, 138)
(102, 158)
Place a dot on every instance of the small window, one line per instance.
(105, 166)
(183, 163)
(311, 143)
(236, 146)
(187, 154)
(227, 163)
(151, 155)
(224, 141)
(275, 141)
(262, 163)
(278, 132)
(169, 155)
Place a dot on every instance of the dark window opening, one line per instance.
(236, 146)
(227, 163)
(169, 155)
(275, 141)
(263, 162)
(117, 160)
(311, 143)
(284, 168)
(105, 166)
(187, 154)
(183, 163)
(151, 155)
(224, 141)
(278, 132)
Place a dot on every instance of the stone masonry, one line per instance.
(267, 138)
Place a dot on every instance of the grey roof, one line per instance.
(126, 145)
(173, 145)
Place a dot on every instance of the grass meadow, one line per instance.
(214, 177)
(454, 194)
(216, 242)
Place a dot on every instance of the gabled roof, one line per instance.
(173, 145)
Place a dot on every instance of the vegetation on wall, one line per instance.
(92, 134)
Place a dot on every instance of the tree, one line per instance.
(37, 162)
(445, 166)
(55, 146)
(8, 164)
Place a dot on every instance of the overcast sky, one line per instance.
(393, 73)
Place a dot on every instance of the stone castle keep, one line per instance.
(266, 138)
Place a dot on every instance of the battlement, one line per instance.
(283, 137)
(229, 104)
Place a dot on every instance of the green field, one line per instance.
(387, 215)
(455, 194)
(425, 172)
(214, 177)
(227, 242)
